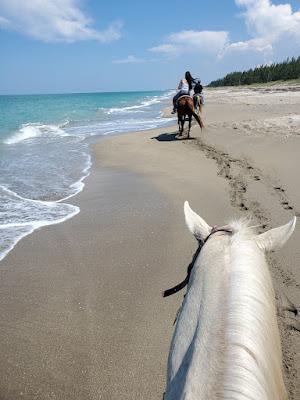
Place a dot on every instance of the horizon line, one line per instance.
(88, 92)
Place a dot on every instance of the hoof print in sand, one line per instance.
(286, 205)
(243, 207)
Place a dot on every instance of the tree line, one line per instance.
(288, 69)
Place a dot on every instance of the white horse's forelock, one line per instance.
(226, 343)
(242, 226)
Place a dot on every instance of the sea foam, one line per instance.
(33, 130)
(21, 216)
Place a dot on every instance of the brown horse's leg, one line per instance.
(181, 126)
(183, 121)
(178, 120)
(190, 124)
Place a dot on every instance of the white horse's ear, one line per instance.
(199, 228)
(275, 238)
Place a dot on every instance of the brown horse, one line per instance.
(185, 108)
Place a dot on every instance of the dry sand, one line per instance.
(82, 315)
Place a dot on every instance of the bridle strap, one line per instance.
(214, 230)
(184, 283)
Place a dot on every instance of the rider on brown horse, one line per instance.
(186, 110)
(185, 104)
(184, 88)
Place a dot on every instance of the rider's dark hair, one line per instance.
(189, 79)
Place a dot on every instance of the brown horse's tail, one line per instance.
(198, 119)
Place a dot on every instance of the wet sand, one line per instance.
(81, 306)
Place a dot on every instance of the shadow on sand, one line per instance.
(170, 137)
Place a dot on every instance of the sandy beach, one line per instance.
(82, 315)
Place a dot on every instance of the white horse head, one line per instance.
(226, 342)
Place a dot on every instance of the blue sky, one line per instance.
(53, 46)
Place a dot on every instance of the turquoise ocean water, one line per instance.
(44, 151)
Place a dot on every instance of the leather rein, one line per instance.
(184, 283)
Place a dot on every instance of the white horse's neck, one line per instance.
(226, 342)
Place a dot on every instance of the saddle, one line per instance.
(183, 95)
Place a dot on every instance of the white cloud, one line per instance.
(129, 60)
(267, 23)
(205, 41)
(165, 48)
(190, 41)
(261, 45)
(264, 18)
(53, 20)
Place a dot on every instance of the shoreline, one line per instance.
(40, 210)
(82, 305)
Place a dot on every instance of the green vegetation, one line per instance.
(289, 69)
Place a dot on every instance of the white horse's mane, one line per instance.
(253, 352)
